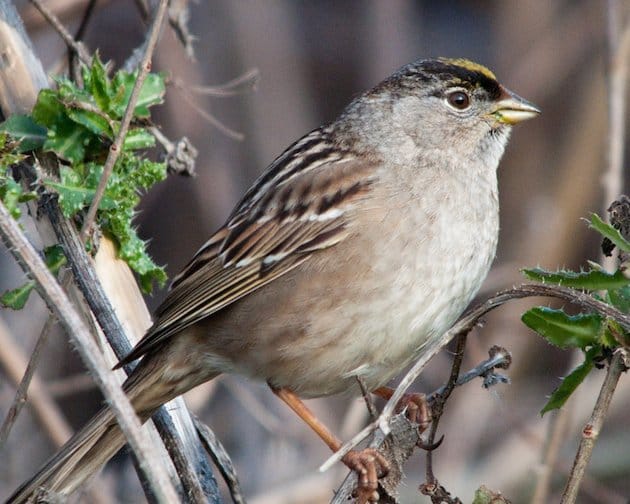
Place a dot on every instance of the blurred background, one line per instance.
(312, 59)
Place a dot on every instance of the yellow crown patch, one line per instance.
(469, 65)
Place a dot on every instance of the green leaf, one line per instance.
(12, 195)
(607, 231)
(151, 93)
(17, 298)
(138, 138)
(73, 195)
(562, 330)
(22, 127)
(97, 124)
(620, 298)
(99, 84)
(571, 382)
(68, 142)
(54, 258)
(588, 280)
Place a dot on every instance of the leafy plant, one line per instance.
(79, 124)
(16, 298)
(596, 336)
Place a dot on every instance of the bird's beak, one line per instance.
(511, 108)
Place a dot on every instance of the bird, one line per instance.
(360, 244)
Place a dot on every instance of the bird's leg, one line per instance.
(418, 410)
(368, 463)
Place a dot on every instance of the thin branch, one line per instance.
(618, 364)
(78, 36)
(464, 325)
(178, 17)
(14, 362)
(21, 394)
(207, 116)
(367, 397)
(75, 46)
(221, 459)
(58, 302)
(399, 446)
(116, 147)
(437, 408)
(234, 87)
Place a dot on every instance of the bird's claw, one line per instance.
(370, 466)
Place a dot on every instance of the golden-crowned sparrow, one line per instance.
(360, 243)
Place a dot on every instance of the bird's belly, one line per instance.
(396, 297)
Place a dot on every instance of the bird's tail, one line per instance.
(90, 448)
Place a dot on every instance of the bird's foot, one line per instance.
(370, 466)
(416, 408)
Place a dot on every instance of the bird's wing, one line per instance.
(292, 212)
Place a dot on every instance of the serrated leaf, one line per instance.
(607, 231)
(73, 195)
(570, 382)
(17, 298)
(138, 138)
(587, 280)
(97, 124)
(562, 330)
(48, 109)
(151, 93)
(23, 128)
(99, 84)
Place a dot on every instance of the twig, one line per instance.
(77, 47)
(46, 411)
(405, 435)
(221, 459)
(465, 324)
(178, 17)
(437, 408)
(499, 358)
(78, 36)
(231, 88)
(116, 147)
(226, 130)
(618, 364)
(58, 302)
(20, 395)
(367, 397)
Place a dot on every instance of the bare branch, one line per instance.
(20, 395)
(618, 364)
(67, 37)
(58, 302)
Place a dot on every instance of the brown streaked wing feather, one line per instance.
(304, 215)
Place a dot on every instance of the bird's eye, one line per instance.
(458, 99)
